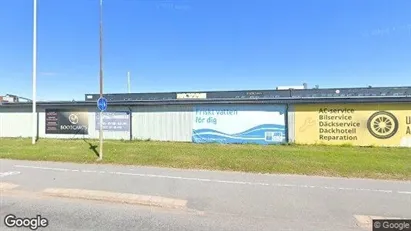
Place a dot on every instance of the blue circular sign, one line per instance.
(102, 104)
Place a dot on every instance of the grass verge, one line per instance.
(370, 162)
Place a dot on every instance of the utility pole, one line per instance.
(34, 73)
(101, 79)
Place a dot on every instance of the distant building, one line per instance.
(9, 99)
(304, 86)
(13, 99)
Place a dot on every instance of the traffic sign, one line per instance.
(102, 104)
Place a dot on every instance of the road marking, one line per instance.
(88, 171)
(188, 178)
(44, 168)
(4, 174)
(217, 180)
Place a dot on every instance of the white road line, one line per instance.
(4, 174)
(44, 168)
(385, 191)
(188, 178)
(215, 180)
(285, 185)
(347, 189)
(334, 188)
(88, 171)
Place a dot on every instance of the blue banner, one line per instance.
(114, 121)
(260, 124)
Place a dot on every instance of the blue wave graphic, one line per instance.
(261, 127)
(261, 134)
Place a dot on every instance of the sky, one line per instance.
(203, 45)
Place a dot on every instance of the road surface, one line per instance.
(215, 200)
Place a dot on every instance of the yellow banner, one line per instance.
(356, 124)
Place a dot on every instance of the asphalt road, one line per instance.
(69, 214)
(217, 200)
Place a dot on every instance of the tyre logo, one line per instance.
(73, 119)
(382, 125)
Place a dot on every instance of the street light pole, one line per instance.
(101, 79)
(34, 73)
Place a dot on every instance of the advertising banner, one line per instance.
(356, 124)
(260, 124)
(114, 121)
(59, 121)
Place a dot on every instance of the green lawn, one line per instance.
(372, 162)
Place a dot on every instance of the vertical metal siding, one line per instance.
(93, 133)
(163, 123)
(15, 122)
(291, 124)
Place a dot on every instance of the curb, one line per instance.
(116, 197)
(7, 186)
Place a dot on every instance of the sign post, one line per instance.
(102, 102)
(34, 113)
(102, 106)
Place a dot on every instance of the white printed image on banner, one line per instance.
(261, 124)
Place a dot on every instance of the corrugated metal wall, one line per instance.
(93, 132)
(15, 122)
(164, 123)
(291, 124)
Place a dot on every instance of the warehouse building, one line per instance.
(356, 116)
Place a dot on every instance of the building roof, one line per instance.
(301, 96)
(262, 94)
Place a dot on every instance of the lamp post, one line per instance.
(101, 79)
(34, 73)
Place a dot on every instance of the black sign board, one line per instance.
(59, 121)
